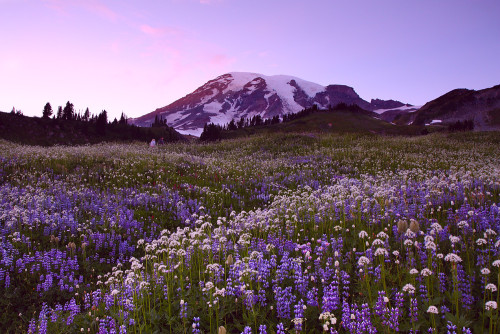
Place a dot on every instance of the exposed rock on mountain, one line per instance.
(241, 94)
(482, 106)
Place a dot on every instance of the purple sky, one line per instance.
(135, 56)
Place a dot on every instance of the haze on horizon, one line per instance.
(133, 57)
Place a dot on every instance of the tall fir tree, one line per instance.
(47, 110)
(68, 111)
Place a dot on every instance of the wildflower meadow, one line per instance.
(293, 233)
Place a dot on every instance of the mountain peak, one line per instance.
(245, 94)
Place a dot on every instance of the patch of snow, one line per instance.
(240, 79)
(212, 107)
(277, 84)
(192, 132)
(435, 121)
(407, 108)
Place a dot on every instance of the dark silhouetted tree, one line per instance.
(232, 125)
(211, 132)
(86, 115)
(47, 110)
(68, 111)
(102, 121)
(59, 112)
(123, 119)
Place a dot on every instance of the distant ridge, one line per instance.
(481, 106)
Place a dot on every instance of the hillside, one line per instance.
(482, 106)
(46, 132)
(339, 121)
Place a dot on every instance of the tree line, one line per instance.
(466, 125)
(67, 125)
(212, 131)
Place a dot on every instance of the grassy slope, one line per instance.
(330, 122)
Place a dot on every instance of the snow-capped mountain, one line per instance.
(241, 94)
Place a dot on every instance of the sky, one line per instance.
(134, 56)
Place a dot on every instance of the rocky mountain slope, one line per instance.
(482, 106)
(241, 94)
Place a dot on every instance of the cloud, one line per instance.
(101, 10)
(59, 6)
(209, 2)
(220, 60)
(96, 7)
(158, 32)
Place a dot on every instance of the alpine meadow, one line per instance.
(249, 167)
(283, 233)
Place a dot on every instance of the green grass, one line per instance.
(340, 122)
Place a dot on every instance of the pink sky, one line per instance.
(135, 56)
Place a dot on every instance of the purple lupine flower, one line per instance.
(413, 310)
(247, 330)
(331, 297)
(451, 328)
(299, 315)
(284, 299)
(280, 329)
(262, 329)
(196, 325)
(183, 310)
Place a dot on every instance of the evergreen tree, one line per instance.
(102, 121)
(59, 112)
(47, 110)
(68, 111)
(86, 115)
(123, 119)
(241, 122)
(211, 132)
(232, 125)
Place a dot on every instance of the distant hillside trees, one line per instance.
(159, 121)
(211, 132)
(86, 115)
(467, 125)
(68, 112)
(123, 119)
(15, 111)
(47, 110)
(101, 122)
(59, 112)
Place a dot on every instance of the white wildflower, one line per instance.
(452, 257)
(363, 260)
(363, 234)
(481, 242)
(426, 272)
(409, 288)
(381, 251)
(432, 309)
(491, 305)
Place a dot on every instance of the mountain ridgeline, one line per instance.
(240, 94)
